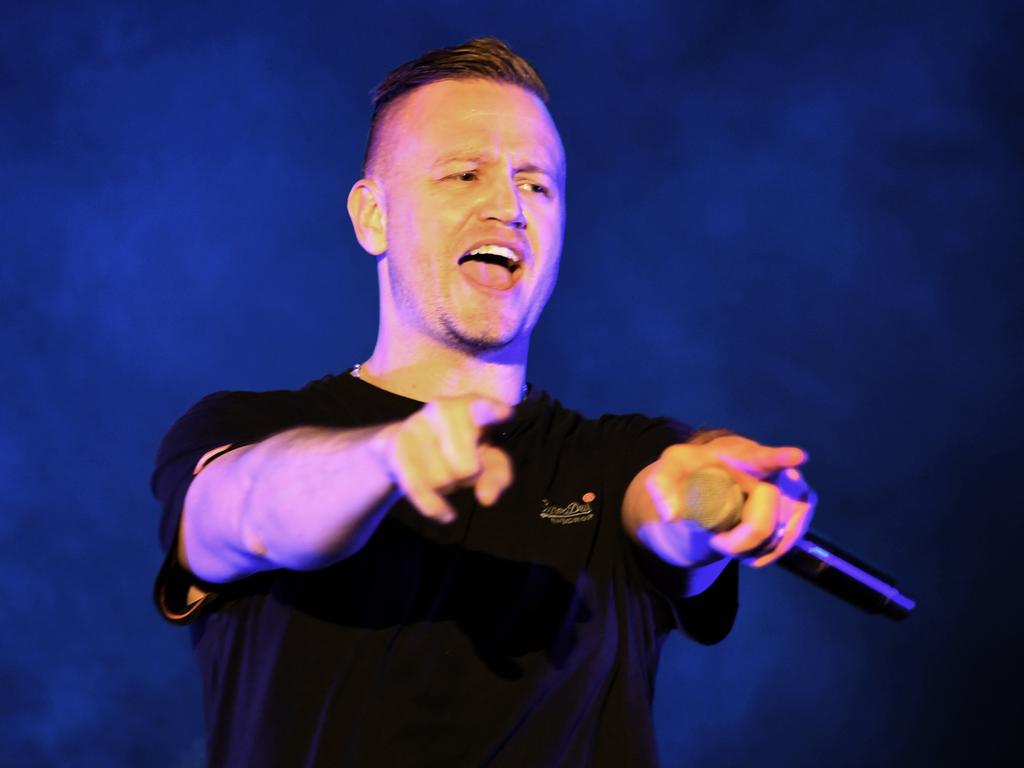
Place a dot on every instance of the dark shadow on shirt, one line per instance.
(506, 608)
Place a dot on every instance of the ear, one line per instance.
(369, 218)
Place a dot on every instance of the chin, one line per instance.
(473, 337)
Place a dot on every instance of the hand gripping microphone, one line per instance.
(714, 501)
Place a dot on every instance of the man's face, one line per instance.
(466, 165)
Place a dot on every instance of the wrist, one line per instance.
(382, 446)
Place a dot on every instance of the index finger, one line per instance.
(763, 460)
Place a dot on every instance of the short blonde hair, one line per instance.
(485, 58)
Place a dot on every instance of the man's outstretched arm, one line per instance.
(310, 496)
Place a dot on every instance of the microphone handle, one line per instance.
(714, 501)
(827, 566)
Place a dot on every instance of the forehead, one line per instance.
(474, 118)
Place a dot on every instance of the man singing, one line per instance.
(425, 561)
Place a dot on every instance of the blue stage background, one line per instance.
(799, 220)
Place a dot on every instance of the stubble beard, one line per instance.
(474, 341)
(470, 330)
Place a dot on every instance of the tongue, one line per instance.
(487, 275)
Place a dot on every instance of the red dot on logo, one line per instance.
(589, 496)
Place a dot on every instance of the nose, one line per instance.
(503, 203)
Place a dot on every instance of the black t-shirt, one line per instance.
(524, 634)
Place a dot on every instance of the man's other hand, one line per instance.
(779, 504)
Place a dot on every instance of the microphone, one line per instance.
(714, 501)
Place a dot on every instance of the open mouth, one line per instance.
(491, 266)
(498, 255)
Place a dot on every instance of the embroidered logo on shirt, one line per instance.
(573, 512)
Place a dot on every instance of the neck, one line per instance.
(428, 373)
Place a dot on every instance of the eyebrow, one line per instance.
(463, 157)
(531, 168)
(475, 157)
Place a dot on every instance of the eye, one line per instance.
(530, 186)
(466, 176)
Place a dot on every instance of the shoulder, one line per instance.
(239, 417)
(245, 412)
(611, 424)
(230, 416)
(641, 437)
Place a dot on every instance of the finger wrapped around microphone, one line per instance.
(769, 544)
(780, 503)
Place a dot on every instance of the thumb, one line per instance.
(485, 411)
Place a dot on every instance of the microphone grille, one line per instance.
(714, 500)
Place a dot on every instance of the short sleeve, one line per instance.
(217, 423)
(707, 617)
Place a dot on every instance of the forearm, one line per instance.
(301, 499)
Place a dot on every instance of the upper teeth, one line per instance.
(496, 250)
